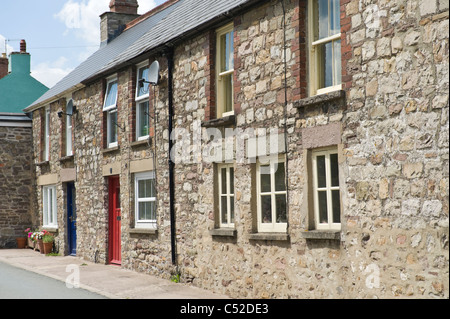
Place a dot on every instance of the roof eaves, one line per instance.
(35, 106)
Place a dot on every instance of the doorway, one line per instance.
(71, 219)
(115, 246)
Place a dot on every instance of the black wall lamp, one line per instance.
(74, 111)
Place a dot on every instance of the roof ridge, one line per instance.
(150, 13)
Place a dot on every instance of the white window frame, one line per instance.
(139, 67)
(330, 225)
(138, 121)
(110, 82)
(274, 226)
(69, 145)
(143, 224)
(220, 84)
(142, 99)
(227, 194)
(47, 135)
(49, 206)
(315, 72)
(111, 108)
(112, 140)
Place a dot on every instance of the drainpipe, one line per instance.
(173, 229)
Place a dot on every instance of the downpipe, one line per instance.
(173, 229)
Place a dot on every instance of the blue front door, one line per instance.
(72, 219)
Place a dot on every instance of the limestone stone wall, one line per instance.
(396, 147)
(16, 180)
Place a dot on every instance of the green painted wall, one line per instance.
(19, 89)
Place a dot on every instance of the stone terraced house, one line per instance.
(260, 149)
(17, 90)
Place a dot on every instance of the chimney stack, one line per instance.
(114, 22)
(3, 66)
(20, 61)
(124, 6)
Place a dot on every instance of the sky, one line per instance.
(60, 34)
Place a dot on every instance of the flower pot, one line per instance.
(47, 248)
(21, 242)
(40, 245)
(30, 243)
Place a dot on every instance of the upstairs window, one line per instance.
(47, 135)
(110, 106)
(143, 91)
(142, 104)
(111, 95)
(69, 110)
(325, 44)
(225, 71)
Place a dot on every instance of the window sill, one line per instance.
(322, 234)
(42, 163)
(140, 143)
(269, 236)
(50, 229)
(223, 232)
(110, 150)
(321, 98)
(223, 121)
(66, 158)
(145, 231)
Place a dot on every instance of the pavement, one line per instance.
(107, 280)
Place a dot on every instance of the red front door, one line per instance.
(115, 246)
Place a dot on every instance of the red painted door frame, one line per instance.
(115, 245)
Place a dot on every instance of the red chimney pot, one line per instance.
(23, 46)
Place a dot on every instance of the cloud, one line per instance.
(50, 73)
(82, 17)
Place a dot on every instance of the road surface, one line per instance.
(17, 283)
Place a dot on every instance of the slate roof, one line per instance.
(165, 26)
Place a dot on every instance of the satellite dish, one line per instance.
(153, 73)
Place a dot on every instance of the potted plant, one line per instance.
(22, 241)
(37, 238)
(47, 243)
(30, 243)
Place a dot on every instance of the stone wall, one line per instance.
(396, 146)
(16, 182)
